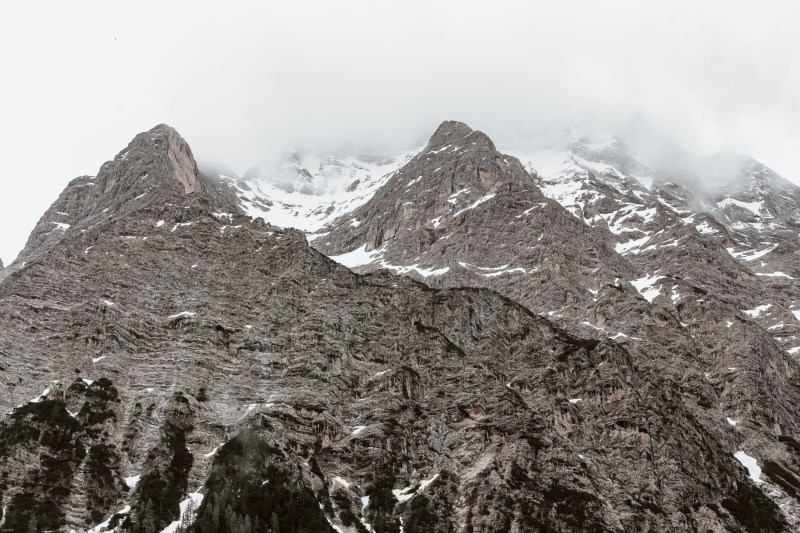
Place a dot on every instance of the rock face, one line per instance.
(166, 348)
(636, 262)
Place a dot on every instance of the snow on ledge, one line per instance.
(358, 257)
(774, 275)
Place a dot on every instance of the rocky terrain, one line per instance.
(169, 360)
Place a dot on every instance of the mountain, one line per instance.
(166, 354)
(674, 295)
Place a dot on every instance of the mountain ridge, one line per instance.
(193, 343)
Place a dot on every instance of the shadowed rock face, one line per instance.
(179, 341)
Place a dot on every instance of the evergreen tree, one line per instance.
(276, 527)
(147, 518)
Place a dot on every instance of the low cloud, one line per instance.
(246, 82)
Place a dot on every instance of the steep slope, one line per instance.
(673, 295)
(676, 230)
(157, 168)
(190, 353)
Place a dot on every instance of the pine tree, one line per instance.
(33, 527)
(276, 527)
(215, 517)
(147, 518)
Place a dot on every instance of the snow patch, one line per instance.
(61, 226)
(405, 494)
(753, 207)
(774, 275)
(750, 464)
(631, 246)
(645, 287)
(133, 480)
(187, 515)
(454, 197)
(103, 526)
(750, 255)
(358, 257)
(705, 228)
(758, 311)
(342, 482)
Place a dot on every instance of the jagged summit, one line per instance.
(156, 172)
(453, 132)
(162, 154)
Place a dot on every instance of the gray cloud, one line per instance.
(242, 82)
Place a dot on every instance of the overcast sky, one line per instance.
(241, 80)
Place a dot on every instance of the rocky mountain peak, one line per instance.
(163, 155)
(453, 132)
(155, 171)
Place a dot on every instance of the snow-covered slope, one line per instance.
(732, 210)
(307, 192)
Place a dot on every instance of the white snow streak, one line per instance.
(182, 314)
(185, 516)
(103, 526)
(751, 465)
